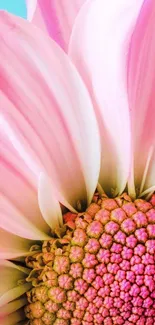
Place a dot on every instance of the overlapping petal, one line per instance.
(13, 306)
(98, 47)
(50, 208)
(10, 289)
(13, 318)
(48, 110)
(19, 209)
(56, 17)
(141, 85)
(12, 246)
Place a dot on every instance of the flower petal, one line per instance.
(55, 16)
(31, 8)
(13, 318)
(49, 206)
(141, 85)
(14, 293)
(98, 48)
(150, 177)
(13, 306)
(12, 246)
(49, 110)
(14, 221)
(19, 202)
(10, 275)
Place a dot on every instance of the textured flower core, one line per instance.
(99, 269)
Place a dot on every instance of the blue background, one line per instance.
(17, 7)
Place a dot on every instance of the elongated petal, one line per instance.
(141, 85)
(19, 208)
(14, 293)
(150, 177)
(55, 16)
(13, 306)
(10, 275)
(49, 110)
(98, 47)
(12, 246)
(31, 8)
(49, 207)
(12, 219)
(13, 318)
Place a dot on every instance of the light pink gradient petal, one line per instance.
(150, 176)
(12, 246)
(49, 207)
(48, 110)
(141, 89)
(56, 17)
(14, 221)
(31, 8)
(98, 47)
(19, 209)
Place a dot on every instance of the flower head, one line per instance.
(77, 148)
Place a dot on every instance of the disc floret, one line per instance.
(100, 270)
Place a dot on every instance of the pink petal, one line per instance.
(48, 110)
(49, 207)
(141, 88)
(150, 177)
(14, 246)
(14, 221)
(19, 210)
(55, 16)
(31, 8)
(98, 48)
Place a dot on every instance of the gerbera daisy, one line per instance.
(78, 167)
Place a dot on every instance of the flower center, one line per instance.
(98, 269)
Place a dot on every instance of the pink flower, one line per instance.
(70, 124)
